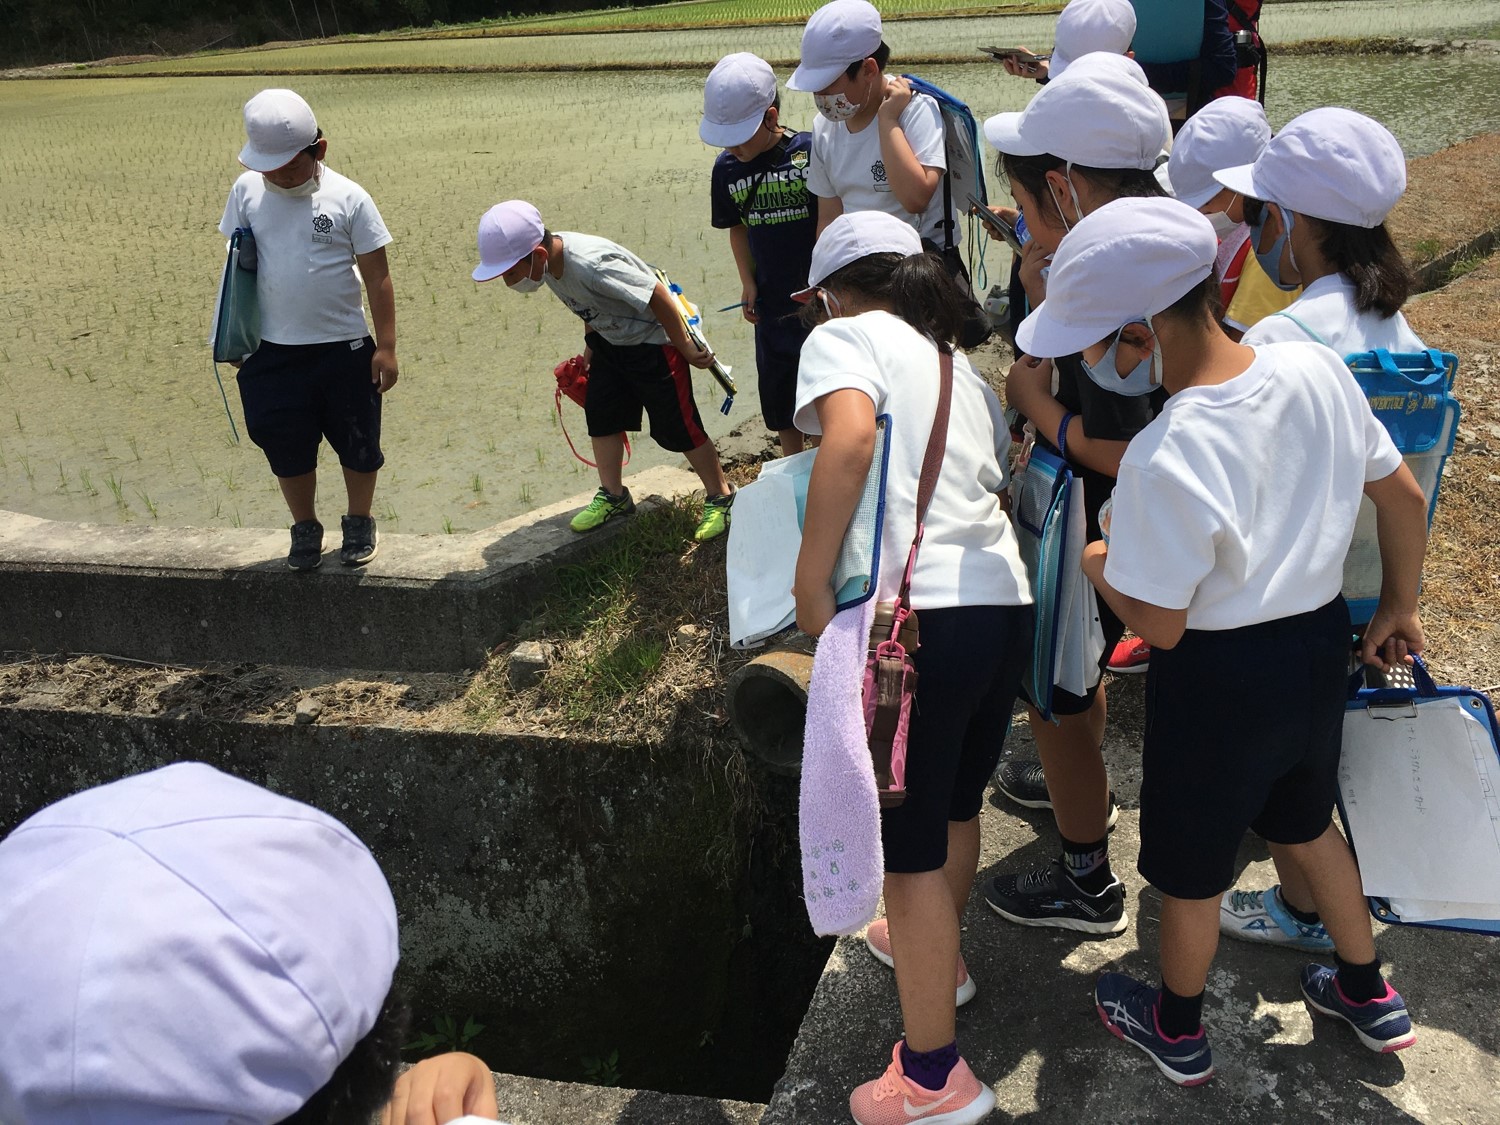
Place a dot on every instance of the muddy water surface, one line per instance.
(110, 193)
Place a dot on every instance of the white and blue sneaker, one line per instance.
(1262, 916)
(1381, 1024)
(1129, 1009)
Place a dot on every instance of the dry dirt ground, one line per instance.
(643, 648)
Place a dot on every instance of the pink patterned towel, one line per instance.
(843, 866)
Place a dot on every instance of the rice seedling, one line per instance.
(145, 499)
(447, 525)
(116, 489)
(86, 481)
(476, 485)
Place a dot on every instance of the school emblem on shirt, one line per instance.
(877, 171)
(798, 159)
(322, 228)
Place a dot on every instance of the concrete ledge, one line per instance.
(191, 595)
(532, 1101)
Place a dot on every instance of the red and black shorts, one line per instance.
(626, 379)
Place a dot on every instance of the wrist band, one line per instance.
(1062, 433)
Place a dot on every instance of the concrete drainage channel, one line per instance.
(621, 904)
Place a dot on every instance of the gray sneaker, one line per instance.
(359, 541)
(307, 545)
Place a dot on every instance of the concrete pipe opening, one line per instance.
(767, 700)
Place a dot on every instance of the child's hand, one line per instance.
(1028, 383)
(696, 356)
(1392, 639)
(1033, 259)
(442, 1089)
(383, 369)
(1021, 69)
(747, 306)
(898, 94)
(815, 609)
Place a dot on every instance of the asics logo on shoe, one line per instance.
(1120, 1016)
(915, 1111)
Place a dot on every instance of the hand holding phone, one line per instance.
(1019, 61)
(994, 222)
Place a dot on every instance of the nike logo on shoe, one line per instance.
(915, 1111)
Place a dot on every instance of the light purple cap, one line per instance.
(507, 233)
(185, 948)
(736, 96)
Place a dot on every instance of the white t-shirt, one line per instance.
(609, 288)
(849, 165)
(308, 287)
(1327, 307)
(969, 554)
(1238, 502)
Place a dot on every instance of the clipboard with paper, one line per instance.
(766, 535)
(1419, 795)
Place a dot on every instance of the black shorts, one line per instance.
(294, 395)
(778, 348)
(968, 671)
(1243, 730)
(624, 379)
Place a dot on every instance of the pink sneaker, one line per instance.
(878, 938)
(894, 1099)
(1131, 655)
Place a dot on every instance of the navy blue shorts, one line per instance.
(1243, 730)
(778, 349)
(294, 395)
(625, 379)
(968, 672)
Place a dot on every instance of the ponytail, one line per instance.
(916, 288)
(1368, 257)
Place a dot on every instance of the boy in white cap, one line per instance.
(635, 346)
(185, 946)
(1091, 136)
(1210, 555)
(759, 194)
(317, 373)
(1083, 27)
(890, 321)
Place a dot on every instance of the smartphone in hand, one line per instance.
(994, 222)
(1017, 54)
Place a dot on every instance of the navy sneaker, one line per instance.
(1047, 897)
(307, 545)
(1381, 1024)
(1023, 781)
(1129, 1009)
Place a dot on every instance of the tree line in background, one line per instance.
(46, 31)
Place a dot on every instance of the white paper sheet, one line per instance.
(761, 559)
(1422, 796)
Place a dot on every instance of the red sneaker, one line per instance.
(878, 939)
(1131, 655)
(894, 1099)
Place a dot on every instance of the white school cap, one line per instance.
(855, 235)
(1130, 258)
(1333, 164)
(1226, 133)
(182, 946)
(278, 125)
(1101, 114)
(840, 33)
(1087, 26)
(739, 90)
(507, 233)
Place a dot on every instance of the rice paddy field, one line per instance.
(110, 193)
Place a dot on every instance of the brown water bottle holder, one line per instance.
(892, 675)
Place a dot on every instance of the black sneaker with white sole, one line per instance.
(1047, 897)
(360, 542)
(1024, 783)
(307, 545)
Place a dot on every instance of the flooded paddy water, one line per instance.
(110, 192)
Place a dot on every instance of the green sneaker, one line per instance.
(601, 508)
(715, 521)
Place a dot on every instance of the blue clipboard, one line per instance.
(237, 316)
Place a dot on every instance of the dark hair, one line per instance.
(363, 1082)
(1121, 183)
(916, 287)
(312, 149)
(1367, 257)
(1204, 301)
(881, 55)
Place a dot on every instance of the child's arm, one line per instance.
(847, 418)
(664, 308)
(830, 207)
(376, 271)
(911, 181)
(1401, 525)
(1028, 388)
(744, 262)
(1158, 627)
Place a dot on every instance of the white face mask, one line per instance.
(301, 191)
(832, 306)
(1223, 225)
(836, 107)
(529, 284)
(1073, 192)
